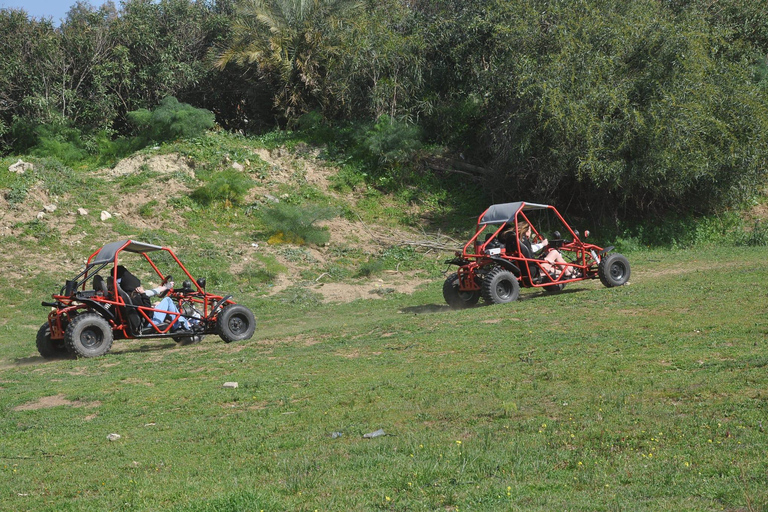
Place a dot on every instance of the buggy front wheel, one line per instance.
(613, 270)
(456, 298)
(236, 323)
(88, 335)
(500, 286)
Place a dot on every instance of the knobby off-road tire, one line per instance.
(88, 335)
(613, 270)
(500, 287)
(236, 323)
(456, 298)
(47, 347)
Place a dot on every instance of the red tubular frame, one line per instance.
(584, 258)
(116, 303)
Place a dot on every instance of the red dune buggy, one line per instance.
(496, 266)
(92, 309)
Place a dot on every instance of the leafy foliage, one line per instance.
(296, 223)
(617, 109)
(171, 120)
(228, 186)
(291, 43)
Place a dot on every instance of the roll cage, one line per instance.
(499, 218)
(107, 298)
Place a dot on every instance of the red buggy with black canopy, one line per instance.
(497, 260)
(92, 310)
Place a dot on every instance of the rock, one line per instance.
(113, 437)
(50, 208)
(21, 167)
(105, 215)
(238, 167)
(271, 199)
(40, 215)
(82, 211)
(231, 385)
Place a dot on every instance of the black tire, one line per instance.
(88, 335)
(236, 323)
(188, 340)
(613, 270)
(554, 288)
(48, 348)
(456, 298)
(500, 287)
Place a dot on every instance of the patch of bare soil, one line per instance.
(161, 164)
(391, 282)
(54, 401)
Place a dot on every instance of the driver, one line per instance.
(132, 285)
(553, 261)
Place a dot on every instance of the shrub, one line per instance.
(296, 223)
(57, 178)
(757, 236)
(171, 120)
(391, 141)
(229, 186)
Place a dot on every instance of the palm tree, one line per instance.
(291, 43)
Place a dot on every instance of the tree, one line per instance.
(291, 43)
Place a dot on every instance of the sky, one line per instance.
(56, 9)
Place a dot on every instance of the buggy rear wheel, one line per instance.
(456, 298)
(88, 335)
(613, 270)
(47, 347)
(236, 323)
(500, 286)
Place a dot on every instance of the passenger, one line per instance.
(132, 286)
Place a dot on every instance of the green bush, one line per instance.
(391, 141)
(229, 186)
(296, 223)
(57, 178)
(756, 236)
(171, 120)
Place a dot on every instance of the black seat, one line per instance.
(130, 312)
(99, 285)
(526, 251)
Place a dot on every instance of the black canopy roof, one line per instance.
(107, 253)
(505, 212)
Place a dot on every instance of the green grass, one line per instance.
(647, 397)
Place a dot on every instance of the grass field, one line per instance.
(652, 396)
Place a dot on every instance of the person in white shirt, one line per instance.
(132, 285)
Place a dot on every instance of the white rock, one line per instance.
(40, 215)
(50, 208)
(105, 215)
(82, 211)
(21, 167)
(114, 437)
(238, 167)
(231, 385)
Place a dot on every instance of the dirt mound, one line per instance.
(171, 176)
